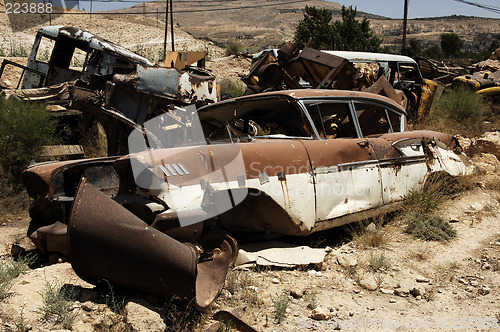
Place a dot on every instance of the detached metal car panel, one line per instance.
(281, 163)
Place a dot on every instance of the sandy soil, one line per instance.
(427, 285)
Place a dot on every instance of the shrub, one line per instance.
(235, 47)
(58, 302)
(280, 304)
(232, 88)
(10, 269)
(429, 227)
(25, 128)
(458, 111)
(378, 261)
(426, 198)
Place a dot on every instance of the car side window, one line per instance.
(332, 119)
(376, 119)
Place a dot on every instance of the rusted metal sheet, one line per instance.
(322, 70)
(108, 242)
(185, 86)
(384, 88)
(181, 60)
(231, 319)
(478, 81)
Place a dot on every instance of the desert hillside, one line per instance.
(263, 24)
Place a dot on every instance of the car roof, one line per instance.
(94, 41)
(372, 57)
(304, 94)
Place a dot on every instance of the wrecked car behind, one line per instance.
(267, 165)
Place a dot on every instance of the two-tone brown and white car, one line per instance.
(281, 163)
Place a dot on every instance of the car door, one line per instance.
(401, 161)
(346, 173)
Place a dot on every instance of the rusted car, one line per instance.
(291, 162)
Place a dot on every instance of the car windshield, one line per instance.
(259, 118)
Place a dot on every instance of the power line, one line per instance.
(486, 7)
(182, 11)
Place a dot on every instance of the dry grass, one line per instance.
(10, 269)
(243, 289)
(421, 252)
(58, 302)
(378, 261)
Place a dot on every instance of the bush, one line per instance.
(232, 87)
(426, 198)
(58, 302)
(25, 128)
(458, 111)
(235, 47)
(429, 227)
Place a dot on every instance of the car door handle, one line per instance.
(363, 144)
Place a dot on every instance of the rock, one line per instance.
(415, 291)
(275, 281)
(418, 297)
(321, 266)
(368, 284)
(402, 290)
(469, 289)
(392, 300)
(89, 306)
(347, 261)
(297, 293)
(486, 266)
(422, 279)
(371, 227)
(294, 301)
(489, 143)
(141, 316)
(485, 290)
(320, 313)
(386, 291)
(311, 272)
(474, 283)
(463, 281)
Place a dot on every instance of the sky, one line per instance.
(422, 8)
(387, 8)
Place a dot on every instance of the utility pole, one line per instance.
(172, 24)
(404, 48)
(166, 30)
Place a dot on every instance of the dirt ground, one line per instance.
(424, 285)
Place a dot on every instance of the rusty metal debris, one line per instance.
(113, 86)
(483, 82)
(230, 318)
(292, 67)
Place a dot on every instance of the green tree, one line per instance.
(352, 35)
(414, 48)
(451, 44)
(315, 25)
(433, 52)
